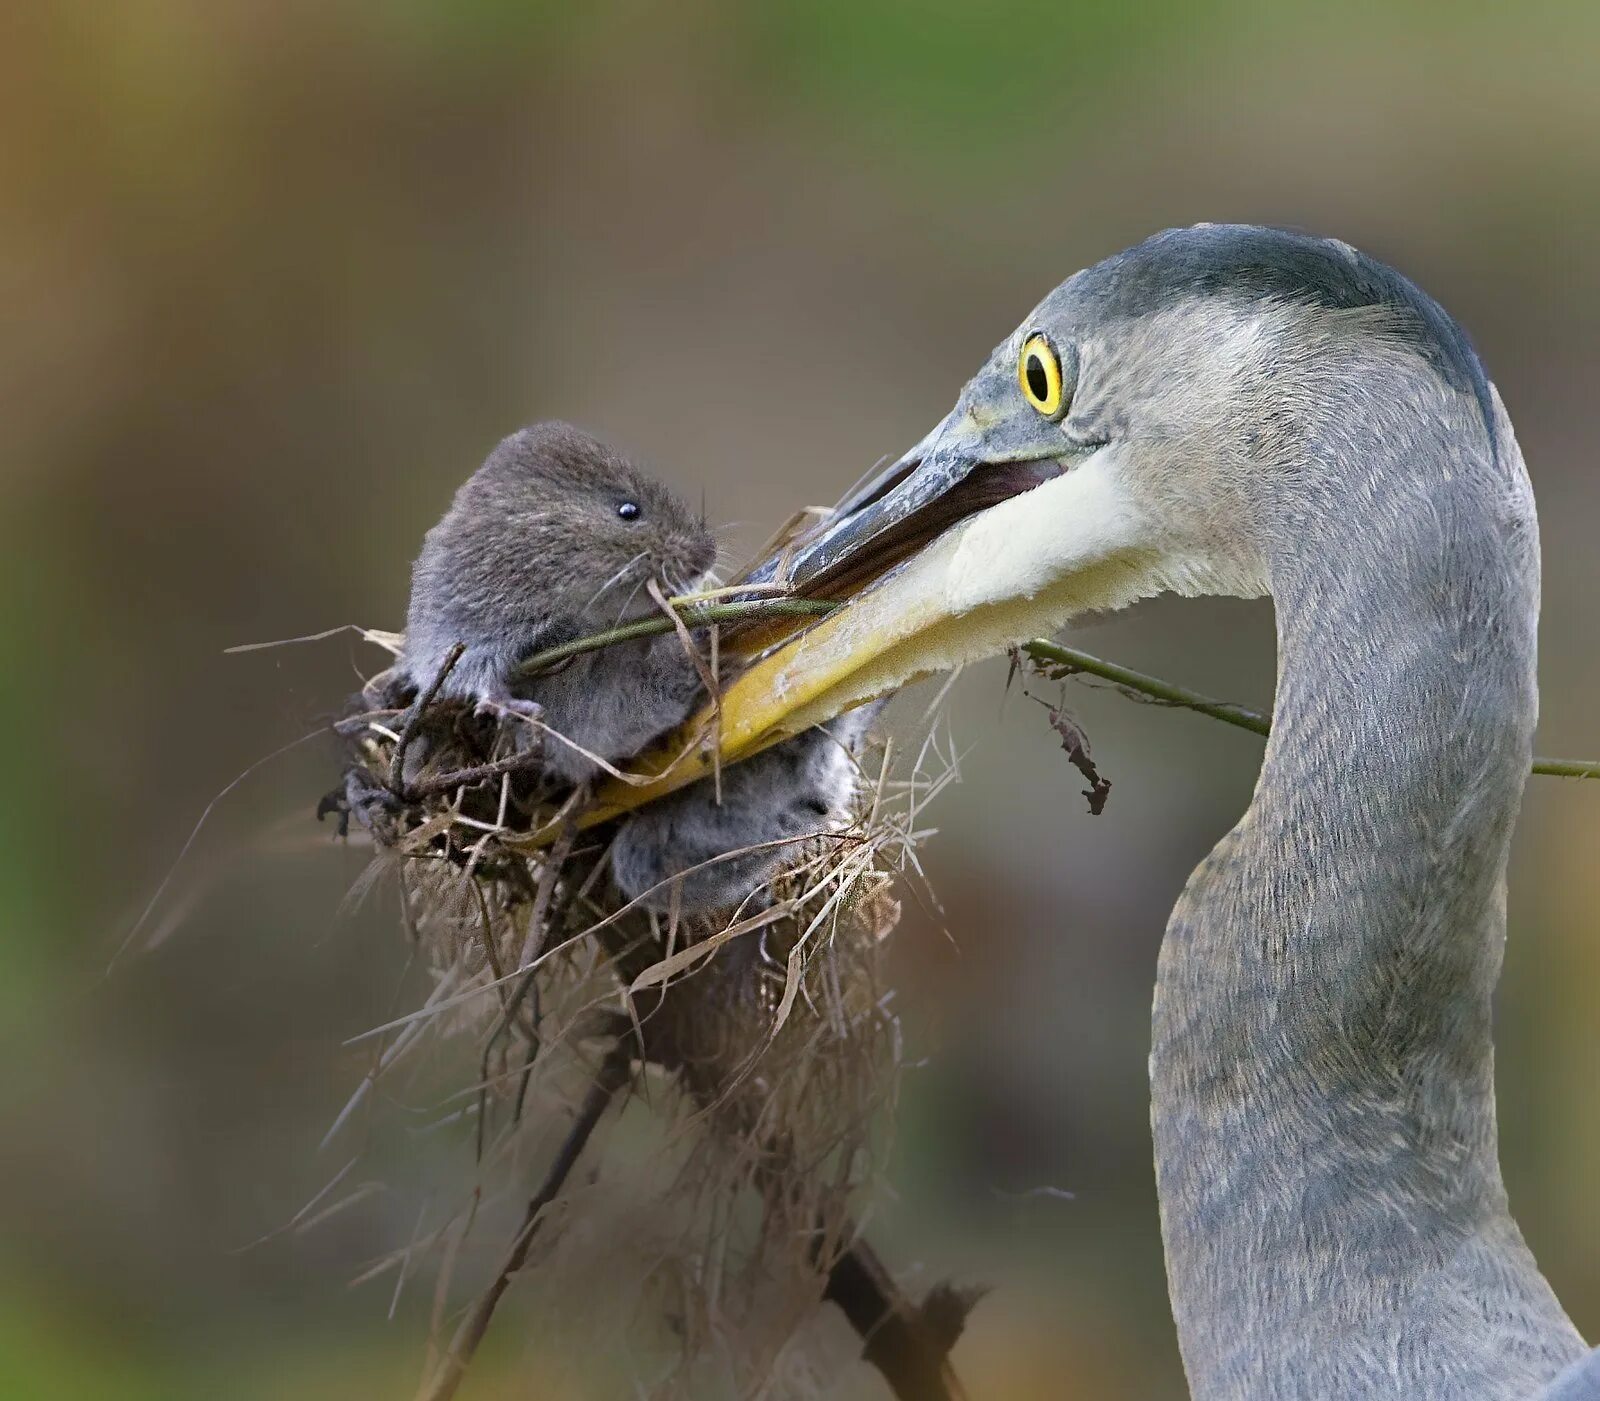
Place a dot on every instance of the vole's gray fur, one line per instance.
(551, 539)
(536, 550)
(788, 792)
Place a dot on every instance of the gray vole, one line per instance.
(551, 539)
(770, 801)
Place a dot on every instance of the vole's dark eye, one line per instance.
(628, 510)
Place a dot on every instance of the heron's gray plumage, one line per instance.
(1258, 412)
(1580, 1381)
(1252, 264)
(1321, 1065)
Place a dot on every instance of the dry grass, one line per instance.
(758, 1051)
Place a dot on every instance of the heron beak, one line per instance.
(952, 553)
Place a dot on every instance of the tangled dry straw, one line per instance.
(762, 1042)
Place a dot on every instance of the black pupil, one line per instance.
(1038, 377)
(628, 510)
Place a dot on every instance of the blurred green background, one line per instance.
(275, 275)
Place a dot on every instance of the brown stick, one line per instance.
(397, 765)
(478, 773)
(907, 1344)
(613, 1074)
(901, 1340)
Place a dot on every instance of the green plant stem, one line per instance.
(1152, 687)
(1040, 649)
(702, 616)
(1567, 768)
(1054, 654)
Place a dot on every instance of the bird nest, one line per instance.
(758, 1046)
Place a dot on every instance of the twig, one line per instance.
(609, 1080)
(397, 765)
(507, 1017)
(1040, 649)
(693, 616)
(910, 1346)
(1055, 655)
(477, 773)
(526, 987)
(544, 906)
(1568, 768)
(708, 679)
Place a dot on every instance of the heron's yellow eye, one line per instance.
(1039, 375)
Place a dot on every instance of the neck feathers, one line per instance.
(1322, 1068)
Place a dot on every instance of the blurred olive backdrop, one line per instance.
(275, 275)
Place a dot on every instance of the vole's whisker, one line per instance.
(616, 578)
(627, 603)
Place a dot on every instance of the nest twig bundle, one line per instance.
(761, 1038)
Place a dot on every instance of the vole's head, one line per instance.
(588, 523)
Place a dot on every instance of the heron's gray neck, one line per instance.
(1322, 1071)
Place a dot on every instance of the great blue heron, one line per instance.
(1241, 411)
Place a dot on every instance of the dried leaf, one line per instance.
(1076, 743)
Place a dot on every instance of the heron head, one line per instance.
(1174, 419)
